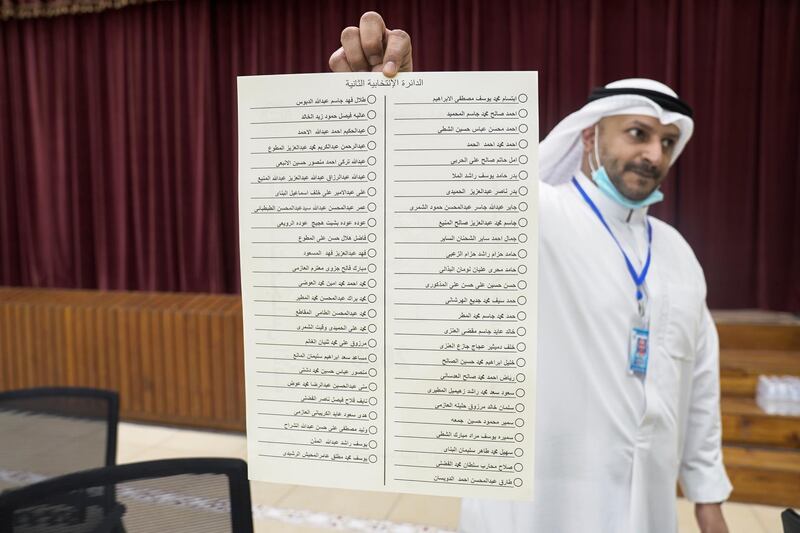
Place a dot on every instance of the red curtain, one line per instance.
(118, 129)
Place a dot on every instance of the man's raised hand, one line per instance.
(371, 47)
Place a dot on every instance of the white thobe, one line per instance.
(610, 445)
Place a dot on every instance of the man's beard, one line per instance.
(645, 170)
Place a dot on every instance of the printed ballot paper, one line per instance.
(388, 235)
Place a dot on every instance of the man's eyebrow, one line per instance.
(649, 129)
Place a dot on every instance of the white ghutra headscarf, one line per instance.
(560, 152)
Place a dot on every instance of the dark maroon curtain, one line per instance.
(22, 9)
(118, 129)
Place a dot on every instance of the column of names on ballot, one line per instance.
(388, 249)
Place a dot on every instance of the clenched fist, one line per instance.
(371, 47)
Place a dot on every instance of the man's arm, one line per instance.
(702, 474)
(709, 518)
(371, 47)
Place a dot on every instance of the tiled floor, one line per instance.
(298, 509)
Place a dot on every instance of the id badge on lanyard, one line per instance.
(639, 344)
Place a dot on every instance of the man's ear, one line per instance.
(587, 139)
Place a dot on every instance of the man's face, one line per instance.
(636, 151)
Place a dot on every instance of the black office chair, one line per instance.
(171, 495)
(791, 521)
(47, 432)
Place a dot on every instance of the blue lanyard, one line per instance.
(638, 278)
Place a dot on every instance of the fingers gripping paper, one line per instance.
(388, 234)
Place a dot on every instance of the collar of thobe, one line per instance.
(608, 207)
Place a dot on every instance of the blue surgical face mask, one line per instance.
(603, 182)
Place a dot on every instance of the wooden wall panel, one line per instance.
(174, 358)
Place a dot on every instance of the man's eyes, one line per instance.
(637, 134)
(640, 135)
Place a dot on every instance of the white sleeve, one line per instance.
(702, 474)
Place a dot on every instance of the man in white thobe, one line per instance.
(611, 443)
(628, 382)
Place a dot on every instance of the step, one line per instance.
(765, 476)
(739, 369)
(743, 422)
(759, 336)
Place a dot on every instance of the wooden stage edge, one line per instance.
(177, 359)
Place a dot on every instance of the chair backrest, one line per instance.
(174, 495)
(791, 521)
(48, 432)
